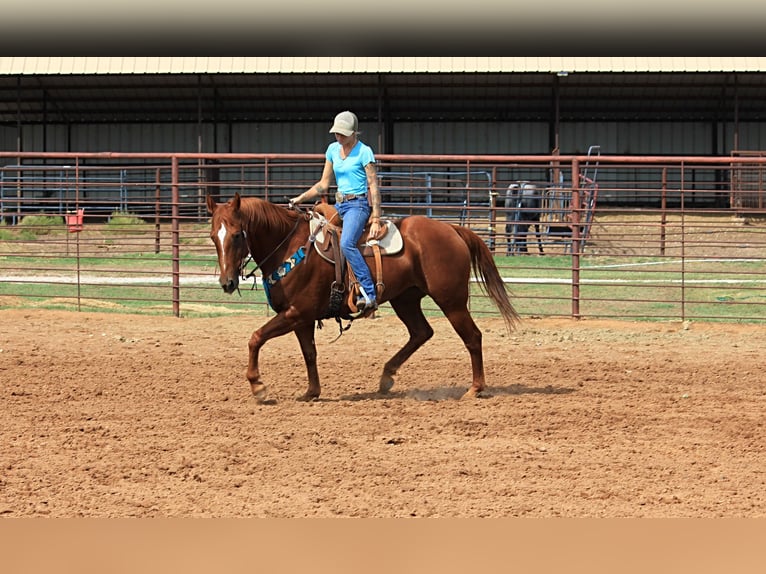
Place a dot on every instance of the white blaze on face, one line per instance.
(221, 237)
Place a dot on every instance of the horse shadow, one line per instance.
(454, 393)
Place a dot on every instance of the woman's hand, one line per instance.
(374, 229)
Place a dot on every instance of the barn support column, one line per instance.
(381, 123)
(200, 161)
(45, 121)
(19, 136)
(385, 127)
(553, 126)
(199, 113)
(735, 144)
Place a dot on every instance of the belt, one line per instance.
(341, 197)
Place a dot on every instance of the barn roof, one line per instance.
(89, 90)
(355, 65)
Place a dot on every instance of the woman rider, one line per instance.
(352, 162)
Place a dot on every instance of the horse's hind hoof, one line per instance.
(386, 384)
(260, 392)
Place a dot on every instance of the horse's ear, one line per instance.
(235, 201)
(211, 204)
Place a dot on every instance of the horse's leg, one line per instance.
(407, 308)
(305, 334)
(276, 327)
(539, 234)
(524, 232)
(464, 326)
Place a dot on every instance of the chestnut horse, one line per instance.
(436, 260)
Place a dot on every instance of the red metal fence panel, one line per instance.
(650, 238)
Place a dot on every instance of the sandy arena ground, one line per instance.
(121, 415)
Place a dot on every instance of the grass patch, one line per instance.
(16, 234)
(121, 219)
(41, 224)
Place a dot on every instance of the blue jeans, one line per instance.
(355, 214)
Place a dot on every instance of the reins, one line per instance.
(265, 259)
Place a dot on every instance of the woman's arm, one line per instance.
(374, 197)
(374, 192)
(319, 188)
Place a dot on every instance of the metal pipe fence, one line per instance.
(634, 237)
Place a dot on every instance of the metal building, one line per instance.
(428, 105)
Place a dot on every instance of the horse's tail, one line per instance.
(488, 275)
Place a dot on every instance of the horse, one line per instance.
(436, 261)
(525, 202)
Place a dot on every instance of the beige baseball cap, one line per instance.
(345, 123)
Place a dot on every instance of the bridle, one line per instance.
(259, 265)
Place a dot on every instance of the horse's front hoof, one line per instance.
(260, 392)
(473, 393)
(386, 384)
(308, 398)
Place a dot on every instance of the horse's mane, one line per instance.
(267, 215)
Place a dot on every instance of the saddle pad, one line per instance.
(389, 244)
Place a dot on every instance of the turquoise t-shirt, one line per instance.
(349, 173)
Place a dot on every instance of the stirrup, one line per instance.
(365, 308)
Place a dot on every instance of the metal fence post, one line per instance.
(175, 236)
(157, 209)
(576, 247)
